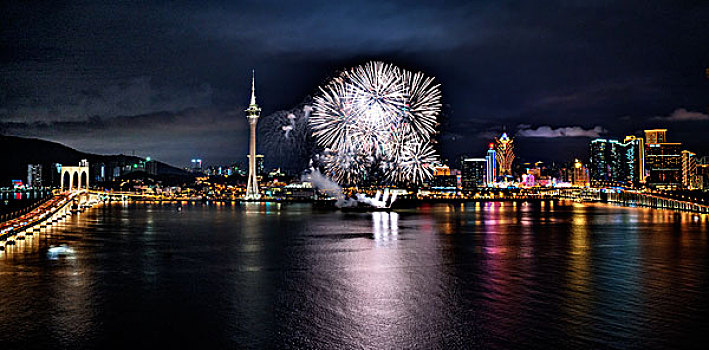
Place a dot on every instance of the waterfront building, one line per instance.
(504, 147)
(607, 163)
(491, 165)
(663, 160)
(252, 114)
(580, 176)
(655, 136)
(617, 163)
(542, 175)
(702, 176)
(536, 172)
(575, 174)
(664, 165)
(441, 170)
(442, 178)
(298, 191)
(34, 175)
(689, 169)
(635, 159)
(528, 180)
(473, 173)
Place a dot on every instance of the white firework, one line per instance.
(377, 118)
(414, 164)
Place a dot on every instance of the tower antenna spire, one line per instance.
(253, 87)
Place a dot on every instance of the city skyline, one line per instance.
(415, 175)
(560, 83)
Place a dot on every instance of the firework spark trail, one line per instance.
(286, 137)
(377, 118)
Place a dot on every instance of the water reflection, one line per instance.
(578, 296)
(54, 253)
(385, 226)
(254, 208)
(293, 276)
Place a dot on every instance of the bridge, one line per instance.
(44, 215)
(633, 198)
(651, 200)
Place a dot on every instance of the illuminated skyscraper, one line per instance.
(252, 114)
(655, 136)
(579, 175)
(473, 173)
(505, 153)
(34, 175)
(491, 167)
(605, 162)
(617, 163)
(635, 158)
(663, 160)
(689, 169)
(702, 177)
(196, 165)
(664, 164)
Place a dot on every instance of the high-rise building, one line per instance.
(635, 159)
(663, 160)
(442, 178)
(34, 175)
(617, 163)
(580, 176)
(151, 166)
(664, 164)
(576, 174)
(99, 172)
(689, 169)
(196, 165)
(55, 171)
(491, 165)
(603, 161)
(252, 114)
(608, 163)
(505, 153)
(473, 173)
(655, 136)
(702, 176)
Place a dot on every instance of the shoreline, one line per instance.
(406, 203)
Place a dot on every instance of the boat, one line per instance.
(382, 201)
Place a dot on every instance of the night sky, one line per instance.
(171, 79)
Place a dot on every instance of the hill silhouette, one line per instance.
(16, 152)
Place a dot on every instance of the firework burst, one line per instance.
(286, 137)
(377, 118)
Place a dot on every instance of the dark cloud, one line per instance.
(66, 66)
(132, 97)
(174, 137)
(567, 131)
(683, 115)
